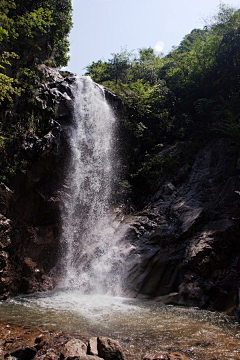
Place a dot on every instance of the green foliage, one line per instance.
(31, 32)
(202, 106)
(30, 24)
(228, 116)
(182, 96)
(8, 85)
(39, 25)
(225, 20)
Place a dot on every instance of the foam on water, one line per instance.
(139, 325)
(93, 307)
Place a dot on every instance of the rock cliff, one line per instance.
(29, 206)
(186, 238)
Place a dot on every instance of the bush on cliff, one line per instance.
(31, 32)
(189, 95)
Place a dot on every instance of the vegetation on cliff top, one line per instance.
(184, 98)
(31, 32)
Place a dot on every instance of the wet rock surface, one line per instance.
(170, 356)
(186, 242)
(109, 349)
(26, 343)
(29, 206)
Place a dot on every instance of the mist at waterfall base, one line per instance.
(89, 298)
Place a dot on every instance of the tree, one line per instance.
(225, 20)
(31, 32)
(38, 30)
(8, 84)
(119, 64)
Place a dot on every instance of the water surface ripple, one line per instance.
(141, 326)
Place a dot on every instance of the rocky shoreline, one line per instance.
(29, 342)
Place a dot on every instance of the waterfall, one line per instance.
(92, 261)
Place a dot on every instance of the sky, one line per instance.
(103, 27)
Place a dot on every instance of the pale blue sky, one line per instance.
(102, 27)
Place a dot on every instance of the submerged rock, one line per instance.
(169, 356)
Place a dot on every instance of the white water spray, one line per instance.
(93, 260)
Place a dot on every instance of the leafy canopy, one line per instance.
(31, 32)
(180, 96)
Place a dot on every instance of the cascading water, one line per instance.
(93, 259)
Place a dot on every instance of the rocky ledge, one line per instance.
(27, 343)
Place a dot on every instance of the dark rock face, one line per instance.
(29, 211)
(186, 240)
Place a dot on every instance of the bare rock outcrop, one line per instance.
(186, 238)
(29, 205)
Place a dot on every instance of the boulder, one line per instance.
(110, 349)
(73, 348)
(50, 355)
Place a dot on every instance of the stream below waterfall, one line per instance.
(141, 326)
